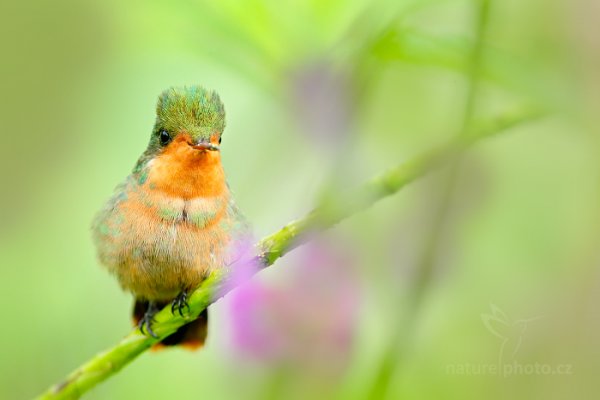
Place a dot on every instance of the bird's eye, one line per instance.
(164, 136)
(219, 139)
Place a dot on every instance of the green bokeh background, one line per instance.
(79, 82)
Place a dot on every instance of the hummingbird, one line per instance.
(173, 220)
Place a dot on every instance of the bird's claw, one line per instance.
(146, 322)
(180, 303)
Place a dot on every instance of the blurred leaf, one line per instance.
(409, 45)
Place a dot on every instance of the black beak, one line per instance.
(205, 146)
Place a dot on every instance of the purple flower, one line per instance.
(243, 262)
(307, 321)
(322, 100)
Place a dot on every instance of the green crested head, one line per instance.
(190, 111)
(195, 109)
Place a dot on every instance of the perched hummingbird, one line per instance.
(173, 220)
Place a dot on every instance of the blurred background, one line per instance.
(480, 280)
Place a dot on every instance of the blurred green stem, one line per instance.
(107, 363)
(401, 336)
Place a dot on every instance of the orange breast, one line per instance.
(181, 171)
(170, 229)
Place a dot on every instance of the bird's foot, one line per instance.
(180, 303)
(147, 320)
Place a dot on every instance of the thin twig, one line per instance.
(107, 363)
(403, 328)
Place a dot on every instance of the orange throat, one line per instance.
(184, 172)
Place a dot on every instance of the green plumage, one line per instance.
(193, 109)
(198, 111)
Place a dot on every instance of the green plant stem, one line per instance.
(107, 363)
(425, 269)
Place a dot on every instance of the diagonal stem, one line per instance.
(109, 362)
